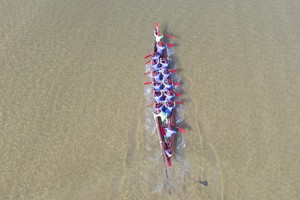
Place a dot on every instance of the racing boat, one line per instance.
(163, 120)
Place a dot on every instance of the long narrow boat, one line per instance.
(161, 122)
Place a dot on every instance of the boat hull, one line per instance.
(161, 126)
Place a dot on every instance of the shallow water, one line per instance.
(72, 107)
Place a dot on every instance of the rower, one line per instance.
(169, 132)
(158, 36)
(156, 75)
(158, 96)
(160, 47)
(159, 113)
(157, 86)
(154, 65)
(170, 105)
(155, 57)
(164, 63)
(168, 85)
(166, 73)
(168, 152)
(158, 107)
(169, 95)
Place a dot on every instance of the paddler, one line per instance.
(159, 107)
(158, 96)
(156, 75)
(154, 64)
(157, 86)
(164, 63)
(170, 105)
(158, 36)
(166, 73)
(168, 153)
(159, 113)
(169, 132)
(168, 85)
(160, 47)
(155, 57)
(169, 95)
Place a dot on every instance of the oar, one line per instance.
(181, 129)
(148, 56)
(177, 94)
(176, 83)
(170, 45)
(147, 83)
(150, 105)
(169, 36)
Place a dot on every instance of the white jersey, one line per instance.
(169, 132)
(158, 37)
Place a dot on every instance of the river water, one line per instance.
(73, 120)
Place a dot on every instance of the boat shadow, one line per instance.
(165, 28)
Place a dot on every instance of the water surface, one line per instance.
(72, 117)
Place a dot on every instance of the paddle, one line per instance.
(170, 45)
(147, 62)
(181, 130)
(173, 70)
(150, 105)
(177, 94)
(148, 56)
(169, 36)
(147, 83)
(176, 83)
(147, 73)
(179, 102)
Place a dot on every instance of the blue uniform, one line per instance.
(155, 57)
(155, 66)
(158, 98)
(159, 107)
(169, 97)
(158, 77)
(157, 87)
(167, 86)
(166, 74)
(169, 109)
(164, 64)
(160, 49)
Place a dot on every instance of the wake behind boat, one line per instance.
(164, 93)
